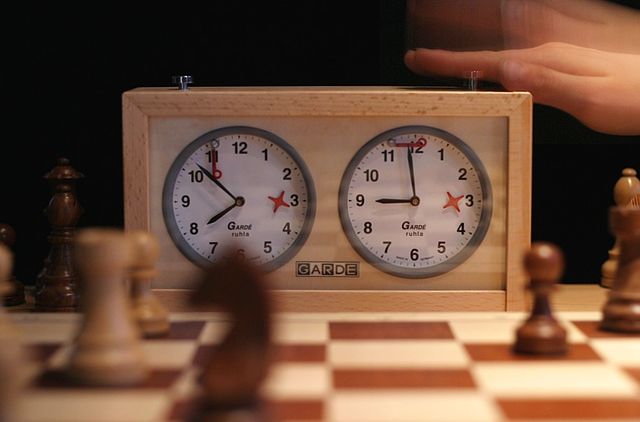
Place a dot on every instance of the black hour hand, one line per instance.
(393, 201)
(221, 214)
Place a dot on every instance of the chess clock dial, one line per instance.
(239, 190)
(415, 201)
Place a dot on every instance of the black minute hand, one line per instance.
(214, 180)
(413, 179)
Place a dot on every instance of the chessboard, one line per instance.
(354, 367)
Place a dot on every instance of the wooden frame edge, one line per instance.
(519, 198)
(135, 146)
(177, 300)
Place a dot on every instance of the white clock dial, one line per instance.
(415, 201)
(239, 190)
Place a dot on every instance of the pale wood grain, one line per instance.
(177, 300)
(567, 298)
(135, 150)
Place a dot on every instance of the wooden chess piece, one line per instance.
(15, 294)
(10, 349)
(152, 317)
(107, 351)
(626, 192)
(56, 284)
(541, 334)
(239, 364)
(622, 309)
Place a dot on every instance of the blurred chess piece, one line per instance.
(239, 364)
(541, 334)
(626, 192)
(56, 285)
(15, 294)
(622, 309)
(10, 349)
(107, 351)
(152, 317)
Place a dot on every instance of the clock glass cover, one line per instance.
(415, 201)
(239, 190)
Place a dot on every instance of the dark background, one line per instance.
(66, 69)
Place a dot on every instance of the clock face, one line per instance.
(239, 190)
(415, 201)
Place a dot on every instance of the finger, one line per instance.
(560, 57)
(548, 86)
(453, 64)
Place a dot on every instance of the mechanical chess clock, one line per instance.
(239, 183)
(351, 198)
(415, 201)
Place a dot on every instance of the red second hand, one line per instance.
(214, 170)
(421, 142)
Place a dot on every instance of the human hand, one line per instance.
(599, 88)
(587, 23)
(463, 25)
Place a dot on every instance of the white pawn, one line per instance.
(10, 348)
(107, 351)
(152, 317)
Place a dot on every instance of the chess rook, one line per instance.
(56, 284)
(152, 317)
(107, 351)
(541, 334)
(622, 310)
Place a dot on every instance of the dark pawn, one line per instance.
(239, 364)
(16, 292)
(56, 285)
(541, 334)
(622, 309)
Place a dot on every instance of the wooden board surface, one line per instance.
(355, 366)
